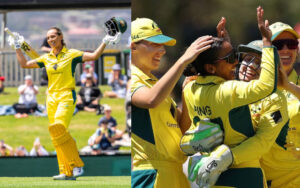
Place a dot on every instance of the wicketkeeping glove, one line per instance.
(203, 138)
(206, 169)
(15, 42)
(108, 39)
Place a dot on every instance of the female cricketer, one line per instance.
(60, 65)
(281, 164)
(157, 159)
(215, 95)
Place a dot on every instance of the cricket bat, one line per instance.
(24, 46)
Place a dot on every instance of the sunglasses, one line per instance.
(291, 44)
(229, 58)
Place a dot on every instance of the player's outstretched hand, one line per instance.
(263, 26)
(16, 41)
(108, 39)
(199, 45)
(221, 30)
(207, 169)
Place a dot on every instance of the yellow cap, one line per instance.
(147, 29)
(280, 27)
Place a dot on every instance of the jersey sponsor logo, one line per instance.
(174, 125)
(203, 110)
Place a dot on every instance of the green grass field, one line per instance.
(16, 132)
(84, 182)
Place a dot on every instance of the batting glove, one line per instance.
(206, 169)
(16, 41)
(108, 39)
(203, 138)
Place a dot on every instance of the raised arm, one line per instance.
(243, 93)
(108, 39)
(145, 97)
(23, 62)
(222, 31)
(93, 56)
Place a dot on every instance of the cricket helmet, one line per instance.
(248, 59)
(114, 25)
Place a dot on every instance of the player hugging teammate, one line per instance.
(232, 129)
(260, 147)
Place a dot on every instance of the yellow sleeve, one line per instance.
(76, 53)
(274, 116)
(136, 83)
(239, 93)
(40, 61)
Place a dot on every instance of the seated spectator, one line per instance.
(88, 69)
(89, 96)
(38, 149)
(118, 83)
(103, 138)
(2, 79)
(21, 151)
(112, 123)
(27, 101)
(5, 150)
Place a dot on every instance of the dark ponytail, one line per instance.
(190, 70)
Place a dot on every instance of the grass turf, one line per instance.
(16, 132)
(85, 181)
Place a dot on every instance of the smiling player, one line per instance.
(60, 65)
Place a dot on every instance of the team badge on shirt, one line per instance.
(55, 67)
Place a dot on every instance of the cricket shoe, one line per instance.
(78, 171)
(63, 177)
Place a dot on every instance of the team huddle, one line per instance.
(239, 116)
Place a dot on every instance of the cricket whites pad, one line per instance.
(202, 138)
(115, 25)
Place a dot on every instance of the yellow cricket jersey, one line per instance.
(280, 157)
(61, 68)
(155, 132)
(269, 118)
(282, 163)
(227, 103)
